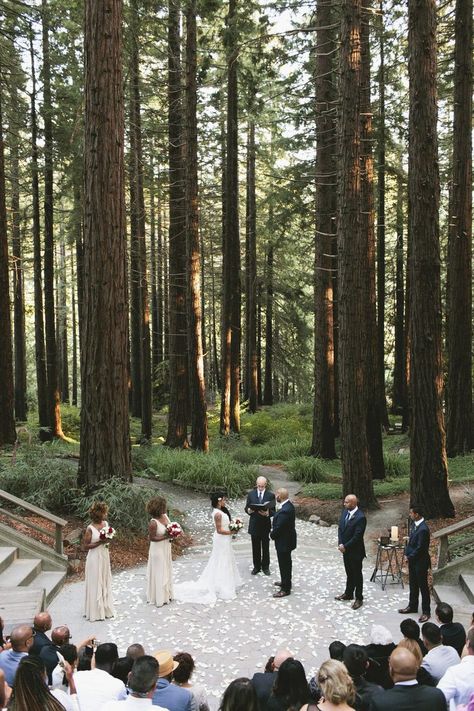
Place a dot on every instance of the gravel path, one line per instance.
(235, 638)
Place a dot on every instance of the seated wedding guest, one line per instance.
(407, 694)
(48, 653)
(5, 690)
(379, 650)
(410, 629)
(141, 687)
(290, 688)
(336, 651)
(58, 677)
(337, 688)
(452, 633)
(21, 639)
(134, 651)
(122, 668)
(166, 694)
(439, 657)
(42, 623)
(457, 684)
(97, 686)
(422, 676)
(263, 681)
(240, 695)
(84, 658)
(181, 677)
(356, 661)
(30, 691)
(471, 626)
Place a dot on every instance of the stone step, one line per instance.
(19, 605)
(20, 572)
(51, 581)
(7, 556)
(466, 581)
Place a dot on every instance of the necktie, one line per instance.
(347, 519)
(260, 497)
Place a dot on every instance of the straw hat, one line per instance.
(166, 662)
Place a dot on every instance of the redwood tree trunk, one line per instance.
(428, 465)
(105, 436)
(7, 418)
(179, 384)
(323, 441)
(353, 270)
(268, 376)
(251, 341)
(399, 392)
(459, 433)
(40, 355)
(199, 432)
(54, 413)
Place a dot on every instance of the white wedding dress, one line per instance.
(220, 578)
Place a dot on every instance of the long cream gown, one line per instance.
(99, 603)
(159, 589)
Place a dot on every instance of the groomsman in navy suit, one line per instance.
(417, 552)
(284, 535)
(260, 524)
(351, 544)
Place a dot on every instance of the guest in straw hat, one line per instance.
(166, 694)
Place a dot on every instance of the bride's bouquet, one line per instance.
(106, 534)
(174, 530)
(236, 526)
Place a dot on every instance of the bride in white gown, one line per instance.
(220, 578)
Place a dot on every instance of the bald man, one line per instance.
(351, 544)
(21, 639)
(59, 636)
(407, 694)
(284, 534)
(42, 623)
(263, 681)
(260, 524)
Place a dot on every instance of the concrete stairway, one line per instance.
(26, 585)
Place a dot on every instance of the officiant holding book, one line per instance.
(260, 506)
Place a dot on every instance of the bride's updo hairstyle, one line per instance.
(215, 498)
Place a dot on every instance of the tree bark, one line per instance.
(268, 376)
(105, 436)
(21, 408)
(428, 464)
(62, 322)
(352, 270)
(52, 378)
(7, 398)
(399, 392)
(251, 273)
(40, 355)
(459, 430)
(197, 384)
(323, 440)
(179, 383)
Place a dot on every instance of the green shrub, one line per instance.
(392, 487)
(206, 472)
(308, 469)
(325, 491)
(396, 465)
(126, 503)
(35, 476)
(71, 421)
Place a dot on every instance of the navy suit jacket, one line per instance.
(417, 549)
(283, 531)
(407, 698)
(260, 525)
(351, 534)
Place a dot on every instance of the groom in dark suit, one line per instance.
(284, 535)
(351, 544)
(417, 552)
(260, 524)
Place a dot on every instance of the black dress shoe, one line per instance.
(343, 597)
(407, 610)
(356, 604)
(424, 617)
(281, 593)
(277, 583)
(266, 571)
(255, 571)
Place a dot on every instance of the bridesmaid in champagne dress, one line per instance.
(99, 602)
(159, 589)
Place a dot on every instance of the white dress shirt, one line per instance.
(438, 660)
(458, 683)
(131, 703)
(96, 687)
